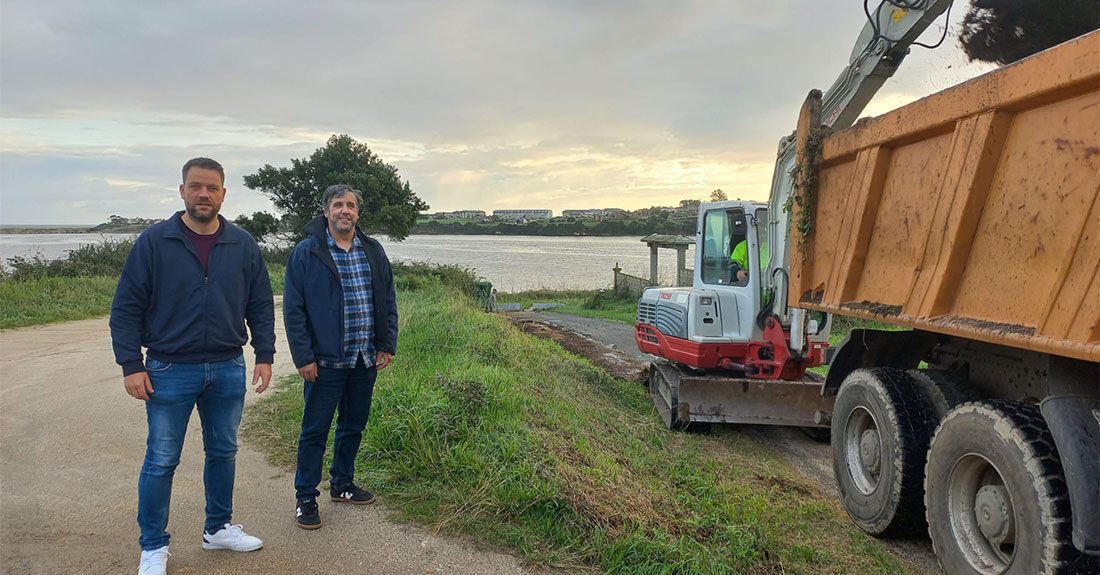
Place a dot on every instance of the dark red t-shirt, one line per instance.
(202, 244)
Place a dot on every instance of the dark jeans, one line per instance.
(217, 389)
(351, 391)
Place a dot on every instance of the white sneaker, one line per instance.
(154, 562)
(231, 537)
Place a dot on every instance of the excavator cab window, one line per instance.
(723, 231)
(762, 238)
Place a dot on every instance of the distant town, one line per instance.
(580, 222)
(530, 215)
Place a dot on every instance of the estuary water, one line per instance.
(49, 246)
(511, 263)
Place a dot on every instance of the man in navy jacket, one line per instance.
(340, 313)
(188, 288)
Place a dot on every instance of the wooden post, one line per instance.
(653, 264)
(681, 257)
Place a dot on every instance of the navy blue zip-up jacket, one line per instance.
(313, 298)
(166, 303)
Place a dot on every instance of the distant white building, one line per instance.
(597, 214)
(519, 215)
(461, 215)
(469, 214)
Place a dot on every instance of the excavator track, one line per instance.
(685, 396)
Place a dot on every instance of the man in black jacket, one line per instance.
(340, 313)
(188, 287)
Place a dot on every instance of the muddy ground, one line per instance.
(611, 346)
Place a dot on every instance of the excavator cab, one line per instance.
(719, 323)
(723, 232)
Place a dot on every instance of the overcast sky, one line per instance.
(559, 104)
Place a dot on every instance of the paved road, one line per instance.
(71, 446)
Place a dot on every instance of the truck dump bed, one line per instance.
(973, 212)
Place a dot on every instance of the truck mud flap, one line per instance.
(683, 397)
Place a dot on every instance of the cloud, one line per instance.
(128, 184)
(482, 104)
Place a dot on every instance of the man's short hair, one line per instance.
(204, 163)
(338, 191)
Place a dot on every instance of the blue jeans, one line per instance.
(351, 391)
(217, 389)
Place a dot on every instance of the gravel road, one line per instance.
(71, 447)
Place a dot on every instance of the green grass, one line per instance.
(277, 273)
(600, 304)
(42, 300)
(50, 299)
(478, 429)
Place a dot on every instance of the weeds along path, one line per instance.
(71, 447)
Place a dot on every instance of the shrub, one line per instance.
(276, 255)
(91, 260)
(416, 275)
(605, 297)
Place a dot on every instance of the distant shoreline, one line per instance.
(99, 229)
(46, 230)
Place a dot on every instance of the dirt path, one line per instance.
(611, 345)
(71, 446)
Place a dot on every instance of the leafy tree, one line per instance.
(260, 225)
(718, 196)
(1003, 31)
(389, 204)
(690, 203)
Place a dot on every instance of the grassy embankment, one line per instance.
(478, 429)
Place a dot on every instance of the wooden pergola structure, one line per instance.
(670, 241)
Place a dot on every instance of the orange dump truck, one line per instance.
(971, 217)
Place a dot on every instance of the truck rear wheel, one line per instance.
(996, 494)
(945, 390)
(880, 434)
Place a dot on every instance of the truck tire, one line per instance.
(996, 494)
(945, 390)
(880, 436)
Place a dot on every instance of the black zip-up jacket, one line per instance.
(166, 303)
(313, 298)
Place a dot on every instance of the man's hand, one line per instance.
(138, 385)
(742, 275)
(262, 374)
(383, 359)
(308, 372)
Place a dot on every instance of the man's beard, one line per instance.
(344, 225)
(200, 217)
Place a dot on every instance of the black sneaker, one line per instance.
(308, 517)
(351, 493)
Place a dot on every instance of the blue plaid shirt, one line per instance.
(358, 304)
